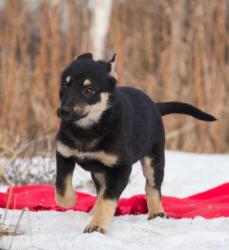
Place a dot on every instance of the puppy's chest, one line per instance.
(107, 159)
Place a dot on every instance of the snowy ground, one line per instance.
(185, 174)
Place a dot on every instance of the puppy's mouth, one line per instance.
(70, 116)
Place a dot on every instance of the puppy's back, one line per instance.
(141, 120)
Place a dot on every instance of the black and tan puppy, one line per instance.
(105, 130)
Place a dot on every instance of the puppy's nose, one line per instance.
(64, 111)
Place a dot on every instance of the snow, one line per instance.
(64, 231)
(185, 174)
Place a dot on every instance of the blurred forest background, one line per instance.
(173, 50)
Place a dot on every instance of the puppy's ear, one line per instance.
(87, 56)
(112, 66)
(112, 80)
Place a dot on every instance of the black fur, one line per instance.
(167, 108)
(130, 127)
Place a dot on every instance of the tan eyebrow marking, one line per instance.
(87, 82)
(68, 79)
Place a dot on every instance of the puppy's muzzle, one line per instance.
(64, 111)
(69, 115)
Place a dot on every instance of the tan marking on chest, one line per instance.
(107, 159)
(94, 112)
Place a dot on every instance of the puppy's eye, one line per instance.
(89, 91)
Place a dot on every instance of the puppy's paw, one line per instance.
(66, 201)
(161, 214)
(94, 228)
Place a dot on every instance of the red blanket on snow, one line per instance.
(209, 204)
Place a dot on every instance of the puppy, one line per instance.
(106, 129)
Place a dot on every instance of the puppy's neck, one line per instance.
(95, 111)
(73, 134)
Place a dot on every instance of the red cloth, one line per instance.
(210, 204)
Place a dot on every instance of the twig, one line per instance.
(8, 203)
(16, 227)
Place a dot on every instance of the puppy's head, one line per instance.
(86, 90)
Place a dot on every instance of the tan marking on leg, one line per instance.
(153, 201)
(96, 202)
(101, 179)
(152, 195)
(148, 170)
(102, 216)
(69, 198)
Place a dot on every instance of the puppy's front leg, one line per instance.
(64, 193)
(115, 180)
(102, 215)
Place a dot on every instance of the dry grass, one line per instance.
(173, 50)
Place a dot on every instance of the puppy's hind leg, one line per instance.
(153, 170)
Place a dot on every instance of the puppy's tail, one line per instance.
(167, 108)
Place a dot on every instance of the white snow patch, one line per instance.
(56, 230)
